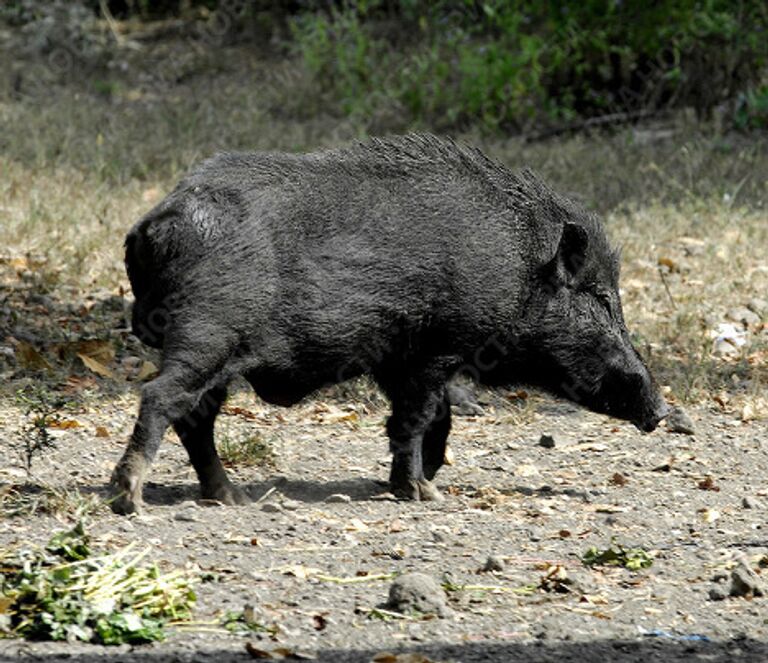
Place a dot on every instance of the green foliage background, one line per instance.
(509, 65)
(517, 63)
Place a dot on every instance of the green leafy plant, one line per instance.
(244, 621)
(41, 408)
(752, 109)
(246, 450)
(65, 592)
(616, 554)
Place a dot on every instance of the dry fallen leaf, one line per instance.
(618, 479)
(96, 366)
(410, 657)
(608, 508)
(150, 195)
(19, 264)
(285, 652)
(29, 358)
(319, 621)
(79, 382)
(356, 525)
(98, 349)
(255, 652)
(397, 525)
(239, 412)
(299, 571)
(277, 654)
(339, 417)
(709, 515)
(148, 370)
(708, 483)
(526, 470)
(64, 424)
(670, 264)
(101, 431)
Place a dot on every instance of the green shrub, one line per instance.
(752, 109)
(512, 63)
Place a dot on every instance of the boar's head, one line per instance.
(576, 341)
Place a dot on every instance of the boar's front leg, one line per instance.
(416, 402)
(195, 430)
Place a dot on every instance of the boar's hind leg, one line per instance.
(166, 399)
(436, 438)
(414, 408)
(195, 430)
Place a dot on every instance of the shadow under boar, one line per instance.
(410, 259)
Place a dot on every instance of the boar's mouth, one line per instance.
(649, 425)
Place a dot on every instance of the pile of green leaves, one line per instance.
(616, 554)
(65, 592)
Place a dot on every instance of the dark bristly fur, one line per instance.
(408, 258)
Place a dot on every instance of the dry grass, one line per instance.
(66, 503)
(81, 167)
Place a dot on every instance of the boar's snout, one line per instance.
(633, 395)
(649, 425)
(648, 404)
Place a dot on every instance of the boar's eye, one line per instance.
(605, 300)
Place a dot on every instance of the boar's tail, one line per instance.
(150, 310)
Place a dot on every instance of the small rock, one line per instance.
(758, 306)
(463, 400)
(252, 615)
(718, 593)
(417, 592)
(745, 582)
(41, 300)
(131, 363)
(750, 502)
(271, 507)
(743, 315)
(458, 395)
(582, 583)
(187, 512)
(338, 498)
(384, 497)
(467, 409)
(493, 563)
(547, 441)
(186, 516)
(724, 347)
(290, 505)
(678, 421)
(747, 412)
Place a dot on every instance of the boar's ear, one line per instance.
(571, 253)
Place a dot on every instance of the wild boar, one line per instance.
(410, 259)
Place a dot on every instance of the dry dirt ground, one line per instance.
(316, 550)
(696, 502)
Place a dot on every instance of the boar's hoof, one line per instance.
(123, 505)
(227, 493)
(419, 490)
(125, 486)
